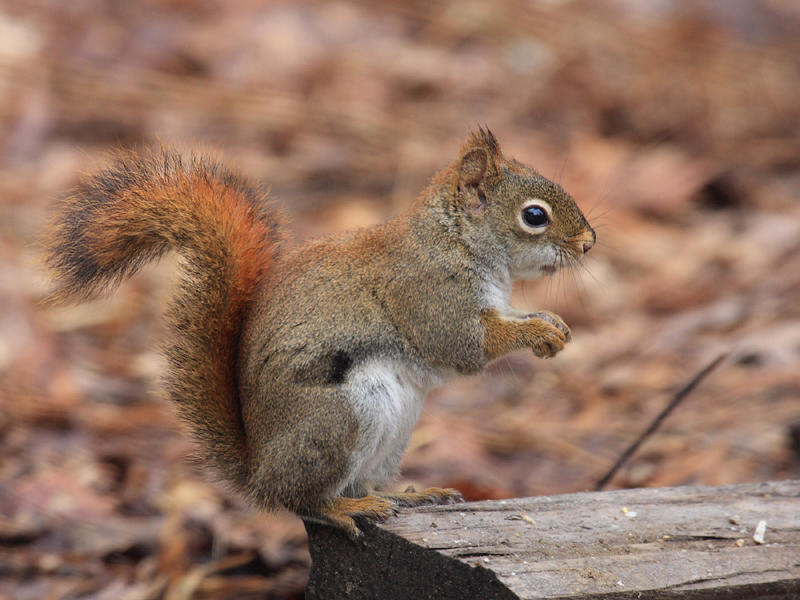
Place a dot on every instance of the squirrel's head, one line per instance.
(507, 205)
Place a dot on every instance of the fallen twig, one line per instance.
(676, 399)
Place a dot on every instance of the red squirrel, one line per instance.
(301, 371)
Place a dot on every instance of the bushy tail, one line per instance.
(133, 212)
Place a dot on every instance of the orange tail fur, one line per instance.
(136, 210)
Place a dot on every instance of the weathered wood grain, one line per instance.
(686, 542)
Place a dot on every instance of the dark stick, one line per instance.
(676, 399)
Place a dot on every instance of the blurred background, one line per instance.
(673, 124)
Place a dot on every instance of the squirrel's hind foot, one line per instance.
(434, 495)
(340, 512)
(378, 506)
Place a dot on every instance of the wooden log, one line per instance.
(684, 542)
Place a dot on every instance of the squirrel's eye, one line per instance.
(535, 216)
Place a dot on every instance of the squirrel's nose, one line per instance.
(589, 244)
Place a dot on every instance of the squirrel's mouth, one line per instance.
(549, 269)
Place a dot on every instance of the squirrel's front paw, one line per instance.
(554, 320)
(545, 337)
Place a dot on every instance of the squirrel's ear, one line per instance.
(473, 165)
(478, 157)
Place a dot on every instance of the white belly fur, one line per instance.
(387, 398)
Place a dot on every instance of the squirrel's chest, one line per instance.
(387, 397)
